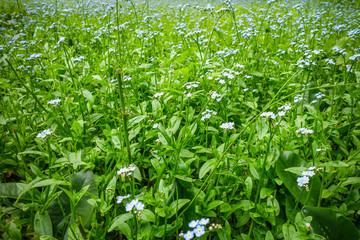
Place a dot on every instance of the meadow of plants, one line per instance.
(174, 120)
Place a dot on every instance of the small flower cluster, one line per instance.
(329, 61)
(298, 98)
(126, 171)
(121, 198)
(158, 95)
(304, 131)
(44, 133)
(268, 114)
(285, 107)
(127, 78)
(319, 95)
(54, 102)
(353, 57)
(207, 114)
(190, 85)
(198, 228)
(336, 49)
(228, 125)
(134, 203)
(304, 179)
(214, 225)
(216, 96)
(79, 59)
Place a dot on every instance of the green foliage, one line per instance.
(154, 120)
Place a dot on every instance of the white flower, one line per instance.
(304, 131)
(158, 95)
(193, 223)
(303, 181)
(189, 235)
(281, 113)
(189, 95)
(308, 173)
(128, 171)
(308, 225)
(139, 206)
(54, 102)
(204, 221)
(268, 114)
(199, 231)
(155, 125)
(61, 39)
(127, 78)
(229, 125)
(121, 198)
(44, 133)
(215, 95)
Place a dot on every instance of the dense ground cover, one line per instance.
(150, 120)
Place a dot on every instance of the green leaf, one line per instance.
(214, 204)
(206, 167)
(13, 190)
(147, 215)
(331, 225)
(248, 186)
(44, 154)
(253, 171)
(176, 205)
(288, 160)
(351, 180)
(119, 221)
(246, 205)
(186, 153)
(87, 94)
(269, 236)
(103, 145)
(110, 190)
(14, 232)
(49, 182)
(289, 232)
(135, 120)
(83, 209)
(42, 224)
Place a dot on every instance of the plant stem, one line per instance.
(261, 181)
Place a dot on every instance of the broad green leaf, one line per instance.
(13, 190)
(289, 232)
(176, 205)
(147, 215)
(206, 167)
(331, 225)
(83, 209)
(351, 180)
(103, 145)
(248, 185)
(119, 220)
(44, 154)
(42, 224)
(214, 204)
(288, 160)
(135, 120)
(87, 94)
(186, 153)
(269, 236)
